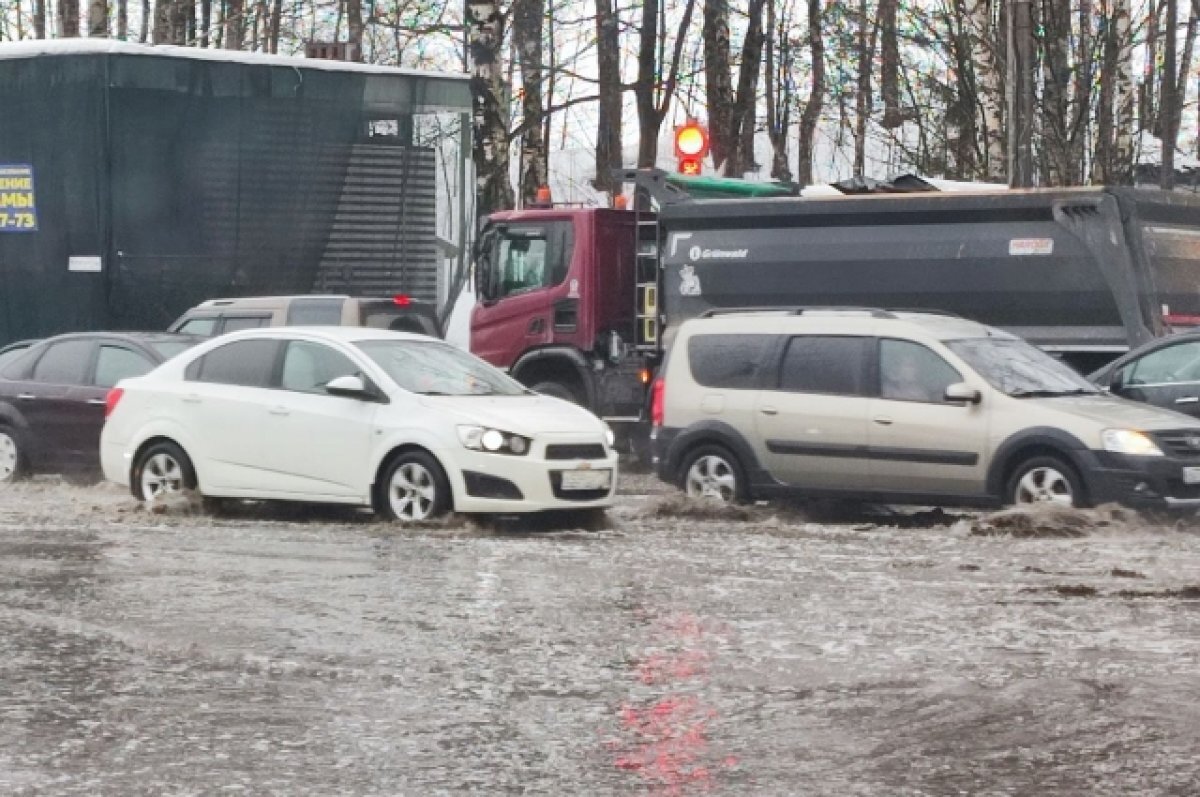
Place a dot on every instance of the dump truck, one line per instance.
(581, 302)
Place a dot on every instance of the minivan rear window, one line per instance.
(729, 361)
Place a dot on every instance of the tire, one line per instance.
(712, 471)
(1045, 479)
(414, 488)
(162, 469)
(558, 390)
(12, 456)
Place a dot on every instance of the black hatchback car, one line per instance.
(52, 395)
(1164, 372)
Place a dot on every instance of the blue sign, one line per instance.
(18, 212)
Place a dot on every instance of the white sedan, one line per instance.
(406, 424)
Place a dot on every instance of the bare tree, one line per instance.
(608, 121)
(68, 18)
(989, 95)
(235, 24)
(778, 88)
(656, 79)
(527, 41)
(39, 19)
(485, 36)
(868, 32)
(98, 18)
(816, 95)
(354, 27)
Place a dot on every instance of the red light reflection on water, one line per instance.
(664, 738)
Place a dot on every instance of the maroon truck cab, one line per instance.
(556, 305)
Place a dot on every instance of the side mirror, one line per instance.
(1117, 382)
(352, 387)
(962, 393)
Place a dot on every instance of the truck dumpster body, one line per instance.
(1089, 271)
(145, 180)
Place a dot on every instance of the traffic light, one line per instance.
(691, 145)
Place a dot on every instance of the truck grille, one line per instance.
(1184, 444)
(575, 451)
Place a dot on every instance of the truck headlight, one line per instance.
(482, 438)
(609, 436)
(1128, 441)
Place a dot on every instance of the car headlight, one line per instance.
(609, 436)
(1128, 441)
(483, 438)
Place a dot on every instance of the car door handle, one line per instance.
(883, 420)
(1188, 400)
(97, 402)
(192, 399)
(768, 410)
(26, 396)
(279, 411)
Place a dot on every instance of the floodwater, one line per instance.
(680, 652)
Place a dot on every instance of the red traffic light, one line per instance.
(691, 145)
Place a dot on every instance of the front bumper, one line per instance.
(1146, 482)
(494, 483)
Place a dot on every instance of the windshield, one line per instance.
(438, 369)
(1019, 369)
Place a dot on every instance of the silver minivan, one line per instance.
(903, 407)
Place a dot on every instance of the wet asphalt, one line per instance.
(680, 651)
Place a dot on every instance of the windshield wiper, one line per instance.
(1079, 391)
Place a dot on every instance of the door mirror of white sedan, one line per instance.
(962, 393)
(350, 387)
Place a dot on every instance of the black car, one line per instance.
(1164, 372)
(52, 395)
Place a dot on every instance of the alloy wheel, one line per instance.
(161, 474)
(9, 457)
(1044, 484)
(711, 476)
(412, 492)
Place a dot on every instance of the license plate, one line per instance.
(586, 479)
(1191, 475)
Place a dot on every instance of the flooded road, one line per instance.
(678, 652)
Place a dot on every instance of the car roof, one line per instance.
(274, 301)
(342, 334)
(876, 321)
(130, 335)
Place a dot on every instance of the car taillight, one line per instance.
(657, 397)
(110, 401)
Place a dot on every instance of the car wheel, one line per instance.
(414, 488)
(711, 471)
(1045, 480)
(557, 390)
(163, 468)
(12, 457)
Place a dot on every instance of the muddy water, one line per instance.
(676, 653)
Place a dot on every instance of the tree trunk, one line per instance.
(1122, 166)
(485, 38)
(746, 106)
(144, 29)
(718, 81)
(1185, 62)
(864, 98)
(889, 67)
(816, 94)
(1146, 95)
(276, 18)
(656, 81)
(963, 150)
(1170, 101)
(608, 123)
(354, 27)
(1081, 103)
(68, 18)
(39, 19)
(778, 91)
(205, 22)
(527, 41)
(98, 19)
(1056, 78)
(235, 24)
(988, 87)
